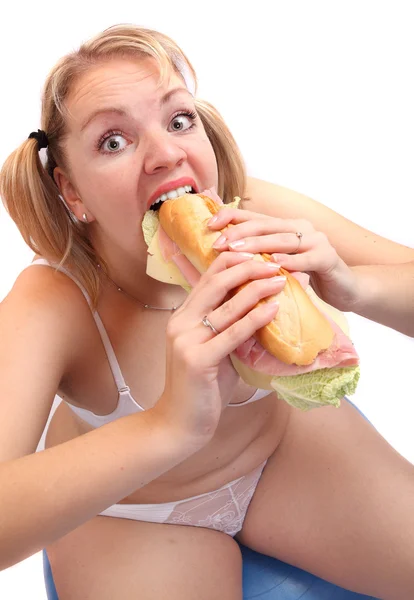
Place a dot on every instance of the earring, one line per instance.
(85, 218)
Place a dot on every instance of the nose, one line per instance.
(162, 151)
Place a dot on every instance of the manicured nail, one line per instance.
(237, 244)
(220, 241)
(212, 220)
(272, 266)
(278, 279)
(247, 254)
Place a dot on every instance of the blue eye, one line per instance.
(183, 121)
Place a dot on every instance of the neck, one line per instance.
(129, 273)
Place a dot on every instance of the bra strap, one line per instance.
(113, 362)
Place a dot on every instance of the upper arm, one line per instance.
(355, 245)
(37, 339)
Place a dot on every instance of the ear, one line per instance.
(70, 195)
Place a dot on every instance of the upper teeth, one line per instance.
(173, 194)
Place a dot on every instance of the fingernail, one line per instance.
(247, 254)
(212, 220)
(237, 244)
(272, 266)
(278, 278)
(272, 305)
(220, 241)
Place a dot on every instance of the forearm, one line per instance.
(386, 295)
(46, 495)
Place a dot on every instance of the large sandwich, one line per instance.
(304, 354)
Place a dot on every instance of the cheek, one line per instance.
(108, 187)
(208, 163)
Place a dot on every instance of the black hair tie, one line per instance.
(41, 137)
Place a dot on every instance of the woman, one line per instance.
(156, 431)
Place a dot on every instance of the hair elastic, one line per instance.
(41, 137)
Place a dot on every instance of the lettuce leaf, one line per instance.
(233, 204)
(150, 225)
(322, 387)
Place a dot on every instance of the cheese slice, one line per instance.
(251, 377)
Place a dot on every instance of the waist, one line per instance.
(241, 443)
(245, 438)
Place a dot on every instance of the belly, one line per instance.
(245, 437)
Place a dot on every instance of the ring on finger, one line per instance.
(299, 235)
(205, 321)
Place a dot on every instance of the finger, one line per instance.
(225, 260)
(224, 343)
(284, 243)
(314, 260)
(259, 227)
(220, 279)
(234, 218)
(237, 217)
(261, 290)
(233, 215)
(221, 263)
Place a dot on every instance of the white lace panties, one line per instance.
(223, 510)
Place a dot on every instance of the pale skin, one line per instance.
(319, 505)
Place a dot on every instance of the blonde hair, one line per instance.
(28, 189)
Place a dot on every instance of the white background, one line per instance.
(319, 95)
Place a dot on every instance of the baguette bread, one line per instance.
(299, 331)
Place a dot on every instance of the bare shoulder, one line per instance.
(41, 324)
(44, 308)
(366, 247)
(45, 289)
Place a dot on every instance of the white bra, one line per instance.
(126, 403)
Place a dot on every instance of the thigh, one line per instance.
(111, 558)
(336, 500)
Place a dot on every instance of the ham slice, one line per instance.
(168, 248)
(303, 278)
(341, 353)
(211, 193)
(188, 270)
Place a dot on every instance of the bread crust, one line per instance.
(184, 220)
(299, 331)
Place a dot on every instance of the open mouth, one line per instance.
(187, 189)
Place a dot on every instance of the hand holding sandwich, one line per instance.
(363, 289)
(294, 245)
(200, 378)
(303, 352)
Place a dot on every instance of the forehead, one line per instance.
(119, 79)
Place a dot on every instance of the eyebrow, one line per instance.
(123, 112)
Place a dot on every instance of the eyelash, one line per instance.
(191, 114)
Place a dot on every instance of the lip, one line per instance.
(171, 185)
